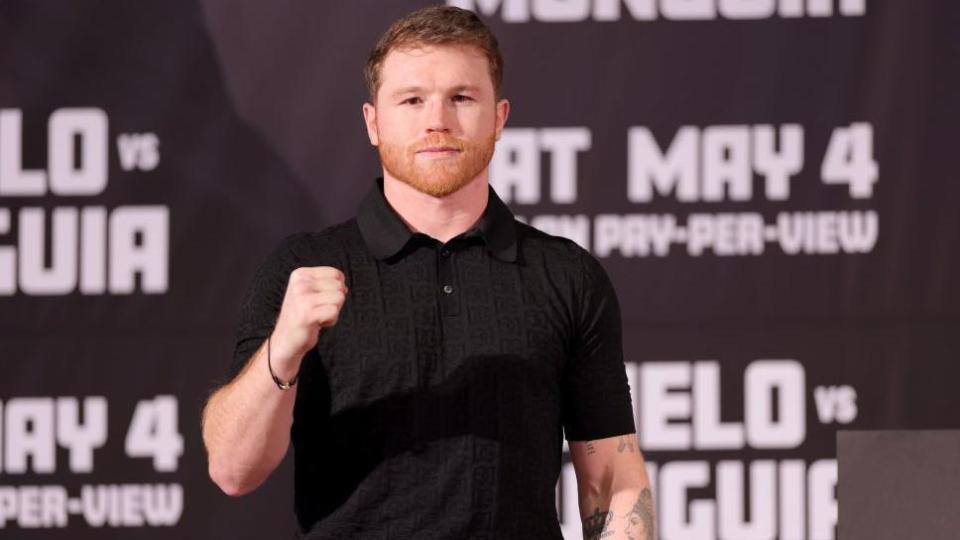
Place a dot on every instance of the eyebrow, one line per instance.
(418, 89)
(407, 90)
(466, 87)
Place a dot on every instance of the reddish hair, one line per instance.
(436, 25)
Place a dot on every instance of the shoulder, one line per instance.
(562, 260)
(326, 247)
(538, 247)
(322, 244)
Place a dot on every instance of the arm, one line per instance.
(246, 423)
(616, 501)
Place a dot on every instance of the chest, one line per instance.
(435, 319)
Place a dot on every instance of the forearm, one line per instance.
(629, 514)
(246, 424)
(619, 508)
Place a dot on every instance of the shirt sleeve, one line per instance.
(261, 304)
(596, 395)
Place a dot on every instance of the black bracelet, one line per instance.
(280, 384)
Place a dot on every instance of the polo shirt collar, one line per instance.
(386, 234)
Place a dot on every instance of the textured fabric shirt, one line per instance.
(436, 406)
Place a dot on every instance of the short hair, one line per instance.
(436, 25)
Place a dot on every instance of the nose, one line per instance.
(438, 119)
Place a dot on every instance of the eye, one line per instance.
(413, 100)
(460, 98)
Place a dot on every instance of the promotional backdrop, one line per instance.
(770, 184)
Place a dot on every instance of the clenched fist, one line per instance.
(313, 300)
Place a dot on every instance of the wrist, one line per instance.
(284, 383)
(284, 359)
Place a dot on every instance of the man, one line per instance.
(429, 398)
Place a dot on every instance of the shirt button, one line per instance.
(444, 252)
(448, 289)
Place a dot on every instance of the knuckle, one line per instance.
(296, 291)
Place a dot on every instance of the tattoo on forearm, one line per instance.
(626, 444)
(641, 522)
(597, 525)
(590, 448)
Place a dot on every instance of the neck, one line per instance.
(441, 218)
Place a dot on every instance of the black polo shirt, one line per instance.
(436, 406)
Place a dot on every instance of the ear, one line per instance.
(503, 111)
(370, 118)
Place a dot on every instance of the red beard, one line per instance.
(437, 176)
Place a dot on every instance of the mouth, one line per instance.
(438, 151)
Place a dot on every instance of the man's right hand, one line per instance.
(313, 301)
(247, 422)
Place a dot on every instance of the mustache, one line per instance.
(438, 141)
